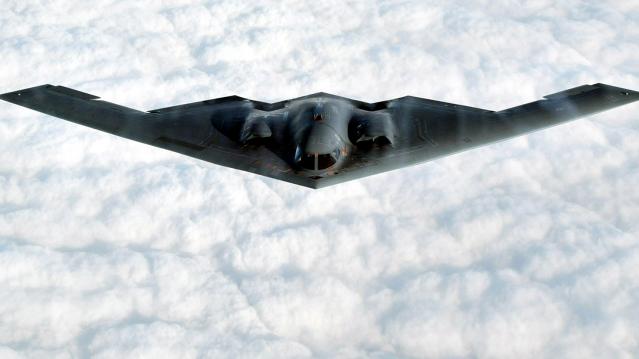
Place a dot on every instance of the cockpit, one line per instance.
(316, 161)
(321, 135)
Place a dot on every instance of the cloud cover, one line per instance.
(111, 248)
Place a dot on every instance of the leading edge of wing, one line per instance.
(23, 97)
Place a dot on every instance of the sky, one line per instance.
(526, 248)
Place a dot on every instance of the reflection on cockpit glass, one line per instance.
(325, 161)
(308, 161)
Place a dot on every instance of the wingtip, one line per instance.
(15, 96)
(623, 91)
(634, 94)
(630, 95)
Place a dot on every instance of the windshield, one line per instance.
(325, 161)
(307, 161)
(317, 162)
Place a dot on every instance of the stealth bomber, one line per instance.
(320, 139)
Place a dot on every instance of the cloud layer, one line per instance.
(112, 249)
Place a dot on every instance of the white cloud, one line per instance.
(526, 248)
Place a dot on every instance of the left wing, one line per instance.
(427, 129)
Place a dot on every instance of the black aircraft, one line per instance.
(321, 139)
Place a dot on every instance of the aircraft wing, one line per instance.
(427, 129)
(187, 129)
(222, 131)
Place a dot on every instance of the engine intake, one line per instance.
(255, 131)
(371, 129)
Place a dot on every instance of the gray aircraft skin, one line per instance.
(321, 139)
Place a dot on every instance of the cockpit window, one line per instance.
(307, 161)
(316, 162)
(326, 161)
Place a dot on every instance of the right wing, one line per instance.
(201, 130)
(84, 109)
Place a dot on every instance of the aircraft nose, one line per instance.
(321, 150)
(321, 139)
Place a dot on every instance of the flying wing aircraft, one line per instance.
(321, 139)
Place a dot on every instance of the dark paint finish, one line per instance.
(321, 139)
